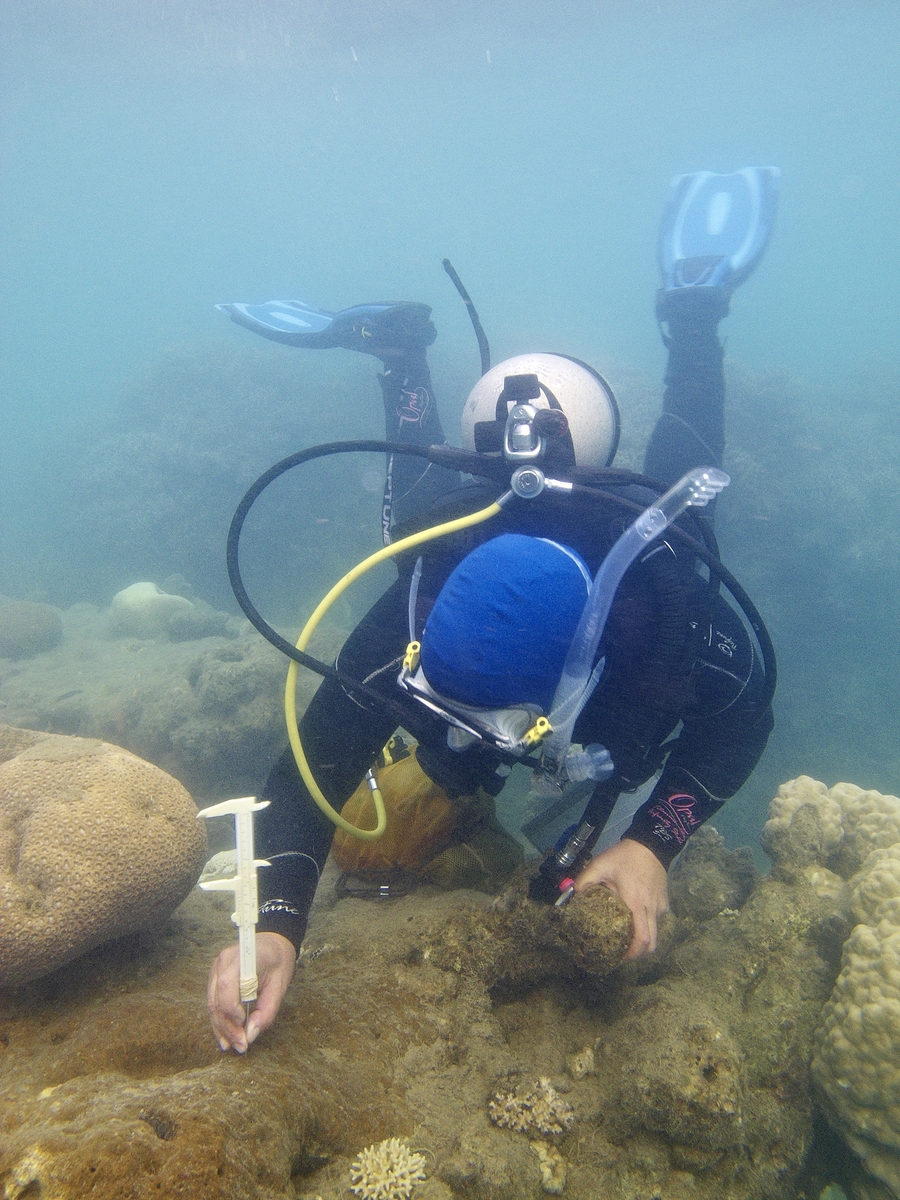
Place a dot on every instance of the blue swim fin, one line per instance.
(288, 321)
(715, 227)
(388, 329)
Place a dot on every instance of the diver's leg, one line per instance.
(411, 416)
(690, 431)
(714, 231)
(399, 334)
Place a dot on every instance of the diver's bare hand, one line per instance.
(638, 878)
(275, 959)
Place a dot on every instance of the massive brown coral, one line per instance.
(94, 843)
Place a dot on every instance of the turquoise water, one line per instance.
(162, 156)
(159, 156)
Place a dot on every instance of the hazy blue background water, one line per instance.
(161, 155)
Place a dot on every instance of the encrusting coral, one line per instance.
(541, 1109)
(388, 1170)
(553, 1168)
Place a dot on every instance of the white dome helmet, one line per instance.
(566, 383)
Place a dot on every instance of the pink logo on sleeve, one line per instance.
(413, 406)
(675, 819)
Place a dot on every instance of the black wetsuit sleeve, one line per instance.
(341, 738)
(714, 754)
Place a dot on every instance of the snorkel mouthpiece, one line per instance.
(579, 675)
(694, 490)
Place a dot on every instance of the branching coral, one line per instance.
(540, 1110)
(388, 1170)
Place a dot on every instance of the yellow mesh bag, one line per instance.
(421, 821)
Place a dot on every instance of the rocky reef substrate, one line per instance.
(202, 700)
(684, 1076)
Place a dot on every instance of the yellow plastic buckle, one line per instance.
(411, 658)
(537, 732)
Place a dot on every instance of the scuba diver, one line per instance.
(554, 612)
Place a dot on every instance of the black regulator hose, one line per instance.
(483, 347)
(445, 455)
(496, 470)
(232, 551)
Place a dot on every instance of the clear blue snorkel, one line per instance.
(580, 676)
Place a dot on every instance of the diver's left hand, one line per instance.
(638, 878)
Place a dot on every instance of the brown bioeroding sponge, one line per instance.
(518, 942)
(27, 628)
(685, 1075)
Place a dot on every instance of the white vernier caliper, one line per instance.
(243, 884)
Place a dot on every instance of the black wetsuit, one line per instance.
(681, 688)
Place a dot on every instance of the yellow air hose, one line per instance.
(290, 690)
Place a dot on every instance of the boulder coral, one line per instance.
(144, 610)
(848, 839)
(95, 843)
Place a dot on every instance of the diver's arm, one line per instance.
(721, 752)
(710, 760)
(341, 739)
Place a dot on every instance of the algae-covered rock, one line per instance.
(708, 878)
(519, 942)
(27, 628)
(94, 843)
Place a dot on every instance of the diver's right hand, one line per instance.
(275, 961)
